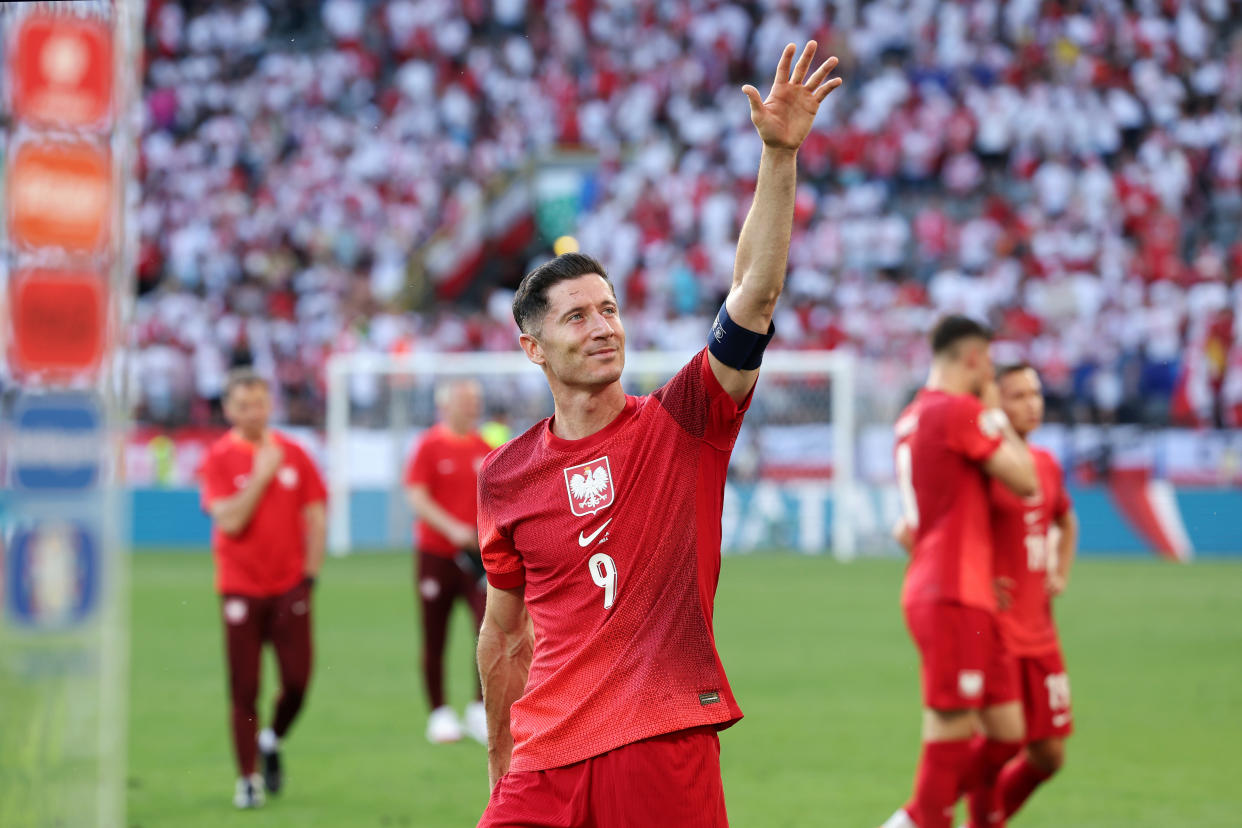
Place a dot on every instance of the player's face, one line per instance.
(247, 408)
(461, 411)
(1022, 398)
(581, 342)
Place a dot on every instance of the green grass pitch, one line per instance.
(817, 655)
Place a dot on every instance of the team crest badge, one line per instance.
(589, 486)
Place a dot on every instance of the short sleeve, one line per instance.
(215, 481)
(501, 561)
(313, 488)
(696, 401)
(967, 433)
(418, 470)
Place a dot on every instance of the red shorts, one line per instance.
(965, 663)
(1045, 696)
(669, 781)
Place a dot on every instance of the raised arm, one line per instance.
(232, 514)
(506, 645)
(1012, 463)
(783, 122)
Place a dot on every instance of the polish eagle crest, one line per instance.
(590, 486)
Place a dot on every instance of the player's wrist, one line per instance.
(997, 420)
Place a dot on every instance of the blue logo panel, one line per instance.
(57, 442)
(52, 575)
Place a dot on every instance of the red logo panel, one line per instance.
(60, 195)
(58, 321)
(62, 71)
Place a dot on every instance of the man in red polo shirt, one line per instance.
(266, 501)
(442, 482)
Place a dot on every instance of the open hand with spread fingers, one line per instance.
(785, 118)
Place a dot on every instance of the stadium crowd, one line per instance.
(1070, 172)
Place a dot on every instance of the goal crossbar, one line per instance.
(839, 366)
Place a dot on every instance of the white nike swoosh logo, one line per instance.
(1060, 719)
(585, 540)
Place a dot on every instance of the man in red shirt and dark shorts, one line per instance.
(948, 446)
(442, 486)
(266, 501)
(1032, 567)
(600, 532)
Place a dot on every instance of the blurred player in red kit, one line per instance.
(266, 501)
(442, 486)
(948, 446)
(600, 532)
(1030, 573)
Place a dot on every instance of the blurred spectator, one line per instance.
(1069, 171)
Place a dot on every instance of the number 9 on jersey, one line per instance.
(604, 574)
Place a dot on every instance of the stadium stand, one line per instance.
(357, 175)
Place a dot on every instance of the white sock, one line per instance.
(268, 743)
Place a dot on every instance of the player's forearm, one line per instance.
(504, 664)
(1067, 544)
(430, 512)
(763, 245)
(316, 538)
(232, 514)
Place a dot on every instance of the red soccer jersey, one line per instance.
(268, 557)
(448, 465)
(1020, 535)
(617, 539)
(941, 441)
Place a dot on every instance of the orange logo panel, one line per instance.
(60, 195)
(62, 71)
(58, 321)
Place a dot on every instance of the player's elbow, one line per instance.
(1027, 485)
(228, 522)
(753, 302)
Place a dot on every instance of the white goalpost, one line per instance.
(793, 470)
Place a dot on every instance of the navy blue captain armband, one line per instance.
(736, 346)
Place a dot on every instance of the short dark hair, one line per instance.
(951, 330)
(243, 377)
(530, 302)
(1013, 368)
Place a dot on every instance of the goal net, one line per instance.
(792, 483)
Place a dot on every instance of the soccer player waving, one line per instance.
(266, 501)
(948, 445)
(600, 532)
(1031, 572)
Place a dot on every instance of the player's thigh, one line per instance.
(244, 621)
(1004, 722)
(292, 634)
(949, 725)
(954, 650)
(677, 775)
(437, 583)
(556, 798)
(1001, 677)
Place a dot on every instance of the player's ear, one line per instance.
(534, 352)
